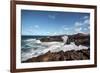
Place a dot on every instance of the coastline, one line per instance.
(61, 56)
(75, 47)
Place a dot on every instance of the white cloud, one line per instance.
(36, 26)
(32, 29)
(86, 21)
(78, 24)
(51, 16)
(66, 28)
(86, 17)
(85, 29)
(82, 26)
(78, 29)
(55, 33)
(29, 31)
(48, 32)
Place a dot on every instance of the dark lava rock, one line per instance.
(61, 56)
(79, 39)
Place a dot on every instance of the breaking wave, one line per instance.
(33, 48)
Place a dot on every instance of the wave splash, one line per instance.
(33, 48)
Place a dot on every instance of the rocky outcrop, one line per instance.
(51, 38)
(79, 39)
(61, 56)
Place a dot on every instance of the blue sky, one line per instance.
(54, 23)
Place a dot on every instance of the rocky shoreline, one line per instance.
(79, 39)
(61, 56)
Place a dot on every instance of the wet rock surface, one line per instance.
(61, 56)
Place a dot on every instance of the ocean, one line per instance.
(31, 46)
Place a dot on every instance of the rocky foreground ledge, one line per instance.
(61, 56)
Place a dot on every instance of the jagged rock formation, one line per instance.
(61, 56)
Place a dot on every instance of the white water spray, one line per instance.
(44, 47)
(64, 38)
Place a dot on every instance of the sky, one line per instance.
(35, 22)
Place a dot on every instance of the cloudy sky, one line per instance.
(54, 23)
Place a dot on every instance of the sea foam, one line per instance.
(38, 48)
